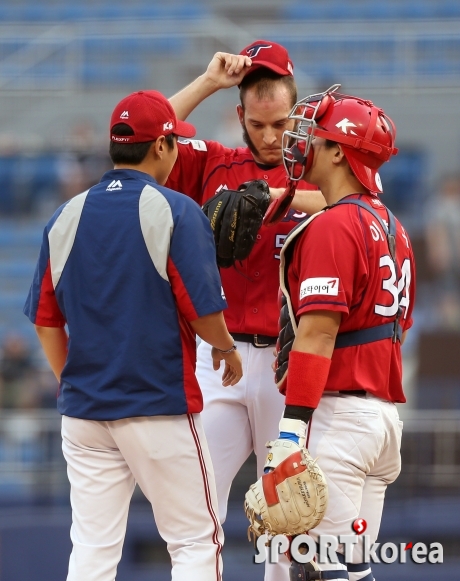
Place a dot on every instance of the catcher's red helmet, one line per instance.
(365, 132)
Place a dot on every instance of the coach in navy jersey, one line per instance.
(129, 266)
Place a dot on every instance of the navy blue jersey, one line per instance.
(127, 265)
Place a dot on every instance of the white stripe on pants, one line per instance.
(240, 419)
(168, 457)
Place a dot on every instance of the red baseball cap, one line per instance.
(149, 114)
(271, 55)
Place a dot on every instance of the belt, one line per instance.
(369, 335)
(256, 340)
(355, 392)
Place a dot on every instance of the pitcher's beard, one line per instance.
(253, 149)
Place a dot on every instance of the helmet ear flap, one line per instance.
(323, 106)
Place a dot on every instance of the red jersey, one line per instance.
(341, 262)
(202, 169)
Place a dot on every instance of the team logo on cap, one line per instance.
(168, 126)
(124, 115)
(254, 50)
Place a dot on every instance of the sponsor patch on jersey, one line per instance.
(319, 286)
(197, 144)
(222, 293)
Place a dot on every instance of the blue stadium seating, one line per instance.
(449, 9)
(109, 74)
(19, 246)
(359, 9)
(97, 48)
(64, 11)
(127, 59)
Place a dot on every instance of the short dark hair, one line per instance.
(131, 153)
(265, 81)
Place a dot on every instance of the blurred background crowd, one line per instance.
(63, 66)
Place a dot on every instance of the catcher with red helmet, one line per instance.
(347, 278)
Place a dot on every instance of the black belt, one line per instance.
(256, 340)
(356, 392)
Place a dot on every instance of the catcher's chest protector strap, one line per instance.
(393, 329)
(288, 320)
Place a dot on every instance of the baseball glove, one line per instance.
(235, 218)
(292, 498)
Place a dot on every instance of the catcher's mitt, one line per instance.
(292, 498)
(235, 218)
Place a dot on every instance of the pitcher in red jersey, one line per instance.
(240, 421)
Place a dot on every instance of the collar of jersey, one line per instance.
(126, 174)
(264, 166)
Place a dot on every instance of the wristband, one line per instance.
(293, 412)
(306, 378)
(232, 348)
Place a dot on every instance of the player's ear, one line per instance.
(240, 112)
(338, 154)
(158, 146)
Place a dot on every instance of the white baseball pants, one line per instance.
(357, 443)
(169, 459)
(239, 419)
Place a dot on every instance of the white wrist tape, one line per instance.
(297, 427)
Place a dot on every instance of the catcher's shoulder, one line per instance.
(330, 217)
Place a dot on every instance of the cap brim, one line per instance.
(368, 177)
(268, 65)
(184, 129)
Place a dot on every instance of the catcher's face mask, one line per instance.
(297, 150)
(296, 145)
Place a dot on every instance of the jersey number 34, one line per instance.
(396, 290)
